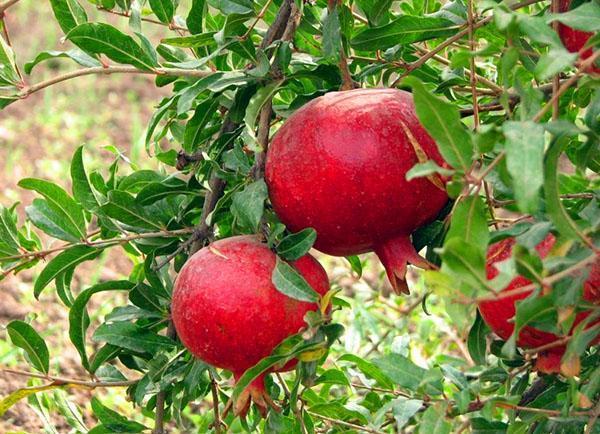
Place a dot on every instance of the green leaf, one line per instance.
(82, 191)
(100, 38)
(369, 369)
(163, 9)
(52, 223)
(403, 409)
(8, 66)
(64, 261)
(355, 264)
(262, 96)
(534, 308)
(333, 376)
(401, 370)
(554, 61)
(61, 203)
(248, 205)
(554, 207)
(375, 10)
(124, 208)
(403, 30)
(241, 7)
(476, 342)
(442, 121)
(195, 128)
(113, 421)
(425, 169)
(196, 16)
(281, 355)
(193, 41)
(132, 337)
(75, 54)
(434, 420)
(9, 237)
(294, 246)
(469, 223)
(24, 336)
(585, 17)
(525, 161)
(289, 282)
(68, 13)
(332, 38)
(465, 261)
(19, 394)
(79, 320)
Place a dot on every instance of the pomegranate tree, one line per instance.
(339, 165)
(228, 313)
(574, 40)
(499, 313)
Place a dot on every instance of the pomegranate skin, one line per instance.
(339, 165)
(574, 40)
(499, 314)
(228, 313)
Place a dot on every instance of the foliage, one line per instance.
(524, 161)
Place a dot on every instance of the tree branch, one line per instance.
(284, 27)
(465, 31)
(4, 6)
(99, 243)
(69, 382)
(171, 26)
(583, 67)
(547, 281)
(111, 70)
(161, 396)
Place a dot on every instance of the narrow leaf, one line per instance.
(289, 282)
(24, 336)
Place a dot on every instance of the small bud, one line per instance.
(570, 365)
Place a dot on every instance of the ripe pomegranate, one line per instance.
(228, 313)
(339, 165)
(499, 313)
(575, 40)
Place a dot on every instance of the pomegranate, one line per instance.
(498, 314)
(339, 165)
(228, 313)
(574, 40)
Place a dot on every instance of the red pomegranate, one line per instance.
(339, 165)
(574, 40)
(228, 313)
(498, 314)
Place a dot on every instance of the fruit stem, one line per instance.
(395, 254)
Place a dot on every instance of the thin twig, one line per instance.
(217, 423)
(111, 70)
(473, 78)
(148, 20)
(583, 67)
(286, 30)
(592, 422)
(59, 381)
(4, 6)
(346, 424)
(556, 78)
(99, 243)
(259, 17)
(347, 81)
(161, 396)
(547, 281)
(416, 64)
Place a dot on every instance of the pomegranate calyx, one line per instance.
(255, 393)
(395, 254)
